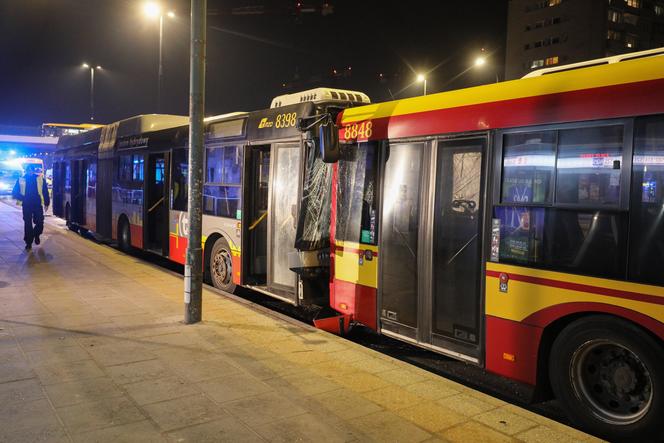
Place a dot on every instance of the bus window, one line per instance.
(356, 194)
(130, 168)
(589, 166)
(137, 170)
(313, 229)
(528, 167)
(647, 203)
(589, 240)
(124, 168)
(223, 177)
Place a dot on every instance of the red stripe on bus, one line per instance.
(353, 250)
(635, 296)
(640, 98)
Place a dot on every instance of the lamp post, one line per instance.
(154, 10)
(92, 88)
(422, 79)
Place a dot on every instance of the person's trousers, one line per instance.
(32, 214)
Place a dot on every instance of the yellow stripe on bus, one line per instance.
(593, 77)
(347, 264)
(523, 299)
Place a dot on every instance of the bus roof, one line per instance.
(631, 87)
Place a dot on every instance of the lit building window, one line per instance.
(630, 41)
(634, 3)
(659, 10)
(555, 2)
(551, 61)
(537, 64)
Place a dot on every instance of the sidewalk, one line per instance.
(92, 349)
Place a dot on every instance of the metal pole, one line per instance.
(425, 86)
(92, 94)
(193, 270)
(161, 65)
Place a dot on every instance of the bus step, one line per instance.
(339, 324)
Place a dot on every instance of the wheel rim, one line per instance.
(222, 267)
(612, 381)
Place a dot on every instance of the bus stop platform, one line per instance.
(92, 349)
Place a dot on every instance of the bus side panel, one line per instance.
(511, 349)
(353, 288)
(356, 300)
(177, 236)
(521, 302)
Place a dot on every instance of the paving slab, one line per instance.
(92, 349)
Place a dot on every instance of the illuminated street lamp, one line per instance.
(153, 10)
(92, 87)
(481, 61)
(422, 79)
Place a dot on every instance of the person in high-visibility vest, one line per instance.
(31, 192)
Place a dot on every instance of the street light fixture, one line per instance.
(153, 10)
(92, 87)
(481, 61)
(422, 79)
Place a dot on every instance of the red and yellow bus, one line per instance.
(518, 226)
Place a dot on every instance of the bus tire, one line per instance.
(221, 266)
(609, 376)
(124, 236)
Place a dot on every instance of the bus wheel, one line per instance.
(124, 236)
(609, 376)
(221, 266)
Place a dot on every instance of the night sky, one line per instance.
(251, 58)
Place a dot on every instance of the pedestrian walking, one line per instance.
(31, 192)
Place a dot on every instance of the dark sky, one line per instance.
(250, 57)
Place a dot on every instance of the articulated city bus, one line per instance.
(266, 206)
(518, 226)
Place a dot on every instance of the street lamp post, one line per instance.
(193, 269)
(154, 10)
(422, 79)
(92, 88)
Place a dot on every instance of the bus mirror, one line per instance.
(329, 142)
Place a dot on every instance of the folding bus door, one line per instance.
(400, 228)
(283, 218)
(457, 245)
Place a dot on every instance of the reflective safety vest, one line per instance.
(40, 186)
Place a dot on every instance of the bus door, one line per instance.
(282, 224)
(156, 204)
(58, 188)
(399, 245)
(430, 244)
(255, 210)
(78, 192)
(454, 317)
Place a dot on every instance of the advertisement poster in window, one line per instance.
(520, 233)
